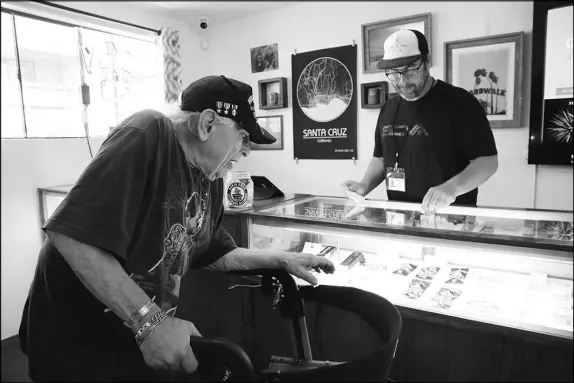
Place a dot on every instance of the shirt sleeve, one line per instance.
(102, 208)
(474, 134)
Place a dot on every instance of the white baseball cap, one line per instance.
(403, 47)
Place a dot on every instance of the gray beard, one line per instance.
(426, 87)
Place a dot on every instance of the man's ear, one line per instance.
(206, 124)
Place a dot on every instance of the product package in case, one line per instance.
(405, 269)
(428, 273)
(457, 275)
(446, 296)
(326, 251)
(353, 259)
(416, 288)
(312, 248)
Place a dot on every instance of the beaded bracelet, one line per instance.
(145, 331)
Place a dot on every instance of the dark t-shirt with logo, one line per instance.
(436, 137)
(140, 200)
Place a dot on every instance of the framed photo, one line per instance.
(552, 90)
(274, 125)
(374, 94)
(264, 58)
(490, 68)
(375, 34)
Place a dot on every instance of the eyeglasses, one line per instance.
(409, 72)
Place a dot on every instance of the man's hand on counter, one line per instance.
(355, 186)
(438, 197)
(299, 265)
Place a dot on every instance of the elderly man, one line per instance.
(143, 212)
(433, 142)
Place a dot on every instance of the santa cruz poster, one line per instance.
(325, 103)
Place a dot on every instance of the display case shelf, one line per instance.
(543, 229)
(515, 275)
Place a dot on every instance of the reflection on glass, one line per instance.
(50, 78)
(557, 226)
(122, 75)
(12, 121)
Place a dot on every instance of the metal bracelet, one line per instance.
(161, 315)
(145, 331)
(140, 314)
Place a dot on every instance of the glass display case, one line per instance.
(505, 267)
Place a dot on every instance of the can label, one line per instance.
(237, 194)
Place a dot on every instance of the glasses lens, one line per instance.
(408, 72)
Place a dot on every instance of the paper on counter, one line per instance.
(359, 201)
(356, 197)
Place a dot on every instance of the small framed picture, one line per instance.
(264, 58)
(274, 125)
(374, 94)
(490, 68)
(375, 34)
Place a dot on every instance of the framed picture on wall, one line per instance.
(274, 125)
(490, 68)
(375, 34)
(552, 85)
(264, 58)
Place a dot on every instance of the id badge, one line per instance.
(396, 178)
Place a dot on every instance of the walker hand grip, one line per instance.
(221, 360)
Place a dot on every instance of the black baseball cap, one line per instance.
(403, 47)
(228, 98)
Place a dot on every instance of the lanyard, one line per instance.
(399, 149)
(409, 127)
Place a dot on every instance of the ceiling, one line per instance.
(216, 11)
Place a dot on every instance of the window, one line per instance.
(12, 117)
(122, 75)
(52, 99)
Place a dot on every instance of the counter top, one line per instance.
(266, 203)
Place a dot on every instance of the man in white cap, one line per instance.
(433, 142)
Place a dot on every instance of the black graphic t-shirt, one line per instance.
(140, 200)
(435, 137)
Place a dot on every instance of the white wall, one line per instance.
(32, 163)
(321, 25)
